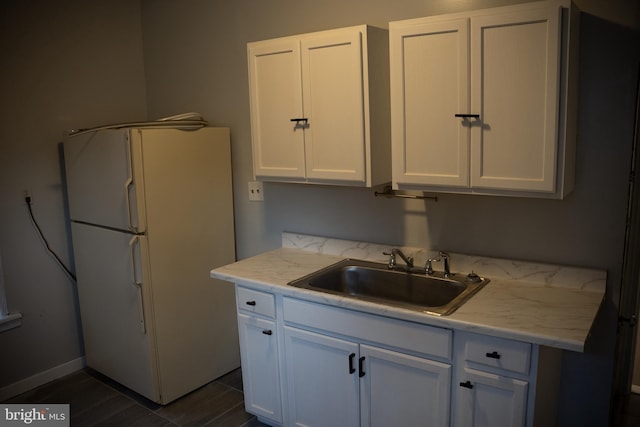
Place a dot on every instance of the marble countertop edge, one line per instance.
(553, 306)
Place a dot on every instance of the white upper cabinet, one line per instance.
(481, 101)
(320, 107)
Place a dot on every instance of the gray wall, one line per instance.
(65, 64)
(194, 59)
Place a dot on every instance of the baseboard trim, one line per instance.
(41, 378)
(635, 389)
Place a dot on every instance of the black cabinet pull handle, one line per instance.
(466, 384)
(467, 116)
(297, 120)
(361, 367)
(352, 368)
(493, 355)
(267, 332)
(251, 303)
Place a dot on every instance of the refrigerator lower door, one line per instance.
(111, 291)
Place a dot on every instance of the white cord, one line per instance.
(186, 121)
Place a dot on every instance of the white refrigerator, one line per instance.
(151, 214)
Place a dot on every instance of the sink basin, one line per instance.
(372, 281)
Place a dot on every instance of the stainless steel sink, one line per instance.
(372, 281)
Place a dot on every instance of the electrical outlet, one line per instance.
(27, 193)
(255, 191)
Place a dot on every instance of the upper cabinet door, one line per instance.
(429, 85)
(515, 65)
(276, 98)
(332, 80)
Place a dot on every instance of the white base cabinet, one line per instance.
(310, 364)
(259, 354)
(504, 383)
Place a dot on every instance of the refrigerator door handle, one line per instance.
(127, 189)
(128, 185)
(133, 243)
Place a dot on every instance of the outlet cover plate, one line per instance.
(256, 193)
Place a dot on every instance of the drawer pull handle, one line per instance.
(494, 355)
(468, 116)
(267, 332)
(297, 121)
(361, 367)
(466, 384)
(251, 303)
(352, 368)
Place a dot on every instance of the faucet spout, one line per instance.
(407, 260)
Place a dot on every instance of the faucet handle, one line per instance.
(428, 267)
(392, 259)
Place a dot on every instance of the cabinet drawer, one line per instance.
(257, 302)
(514, 356)
(400, 334)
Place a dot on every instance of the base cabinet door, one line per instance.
(489, 400)
(260, 373)
(397, 389)
(322, 380)
(335, 382)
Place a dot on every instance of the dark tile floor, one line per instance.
(98, 401)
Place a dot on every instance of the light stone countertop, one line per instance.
(538, 303)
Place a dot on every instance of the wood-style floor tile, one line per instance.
(202, 406)
(99, 401)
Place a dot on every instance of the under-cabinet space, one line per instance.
(320, 107)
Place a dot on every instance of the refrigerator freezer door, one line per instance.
(101, 179)
(110, 267)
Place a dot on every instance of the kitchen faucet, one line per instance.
(392, 258)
